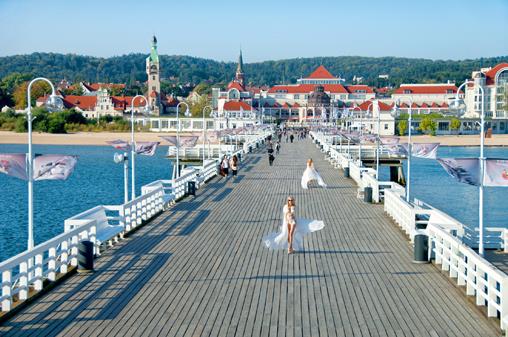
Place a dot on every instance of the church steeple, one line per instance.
(153, 74)
(240, 76)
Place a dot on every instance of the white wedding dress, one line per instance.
(279, 240)
(310, 174)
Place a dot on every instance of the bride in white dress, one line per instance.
(292, 230)
(310, 174)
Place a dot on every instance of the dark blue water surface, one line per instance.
(96, 180)
(431, 184)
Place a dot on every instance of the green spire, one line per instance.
(239, 67)
(154, 56)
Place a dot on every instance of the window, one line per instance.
(153, 88)
(407, 91)
(449, 91)
(153, 78)
(443, 126)
(386, 126)
(296, 96)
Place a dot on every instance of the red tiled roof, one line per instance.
(368, 105)
(96, 86)
(414, 105)
(235, 85)
(354, 88)
(82, 102)
(426, 89)
(424, 105)
(307, 88)
(491, 74)
(153, 93)
(435, 105)
(286, 105)
(444, 105)
(237, 106)
(321, 72)
(296, 105)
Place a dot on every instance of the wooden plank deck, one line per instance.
(200, 269)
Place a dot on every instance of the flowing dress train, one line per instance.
(279, 240)
(310, 174)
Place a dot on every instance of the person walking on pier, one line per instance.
(224, 166)
(271, 158)
(292, 231)
(291, 137)
(233, 163)
(311, 174)
(277, 147)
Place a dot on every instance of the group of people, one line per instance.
(270, 150)
(293, 229)
(227, 163)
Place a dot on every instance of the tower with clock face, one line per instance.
(154, 84)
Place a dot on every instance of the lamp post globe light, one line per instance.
(133, 145)
(459, 105)
(394, 113)
(204, 129)
(176, 174)
(54, 103)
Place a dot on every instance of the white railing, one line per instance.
(27, 271)
(482, 280)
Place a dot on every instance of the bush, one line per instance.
(402, 126)
(21, 125)
(428, 125)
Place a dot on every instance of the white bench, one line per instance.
(105, 233)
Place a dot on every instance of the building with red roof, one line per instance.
(494, 82)
(424, 93)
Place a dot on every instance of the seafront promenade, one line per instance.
(200, 269)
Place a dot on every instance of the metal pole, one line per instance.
(125, 178)
(30, 164)
(133, 148)
(408, 184)
(482, 173)
(378, 135)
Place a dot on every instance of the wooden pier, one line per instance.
(200, 269)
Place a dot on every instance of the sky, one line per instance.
(265, 30)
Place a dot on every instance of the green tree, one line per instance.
(428, 125)
(196, 108)
(203, 88)
(455, 124)
(402, 126)
(38, 89)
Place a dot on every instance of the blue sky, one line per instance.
(266, 30)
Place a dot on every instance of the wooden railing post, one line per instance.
(6, 290)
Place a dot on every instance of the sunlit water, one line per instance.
(98, 180)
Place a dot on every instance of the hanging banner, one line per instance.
(423, 150)
(368, 138)
(53, 166)
(389, 140)
(120, 144)
(465, 170)
(170, 139)
(14, 165)
(496, 172)
(395, 149)
(188, 141)
(146, 148)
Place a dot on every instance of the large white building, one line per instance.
(494, 82)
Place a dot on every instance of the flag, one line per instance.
(368, 138)
(465, 170)
(170, 139)
(389, 140)
(120, 144)
(188, 141)
(496, 172)
(423, 150)
(146, 148)
(395, 149)
(53, 166)
(14, 165)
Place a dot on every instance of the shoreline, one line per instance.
(100, 138)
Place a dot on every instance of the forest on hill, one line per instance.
(130, 68)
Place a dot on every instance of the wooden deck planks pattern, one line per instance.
(199, 269)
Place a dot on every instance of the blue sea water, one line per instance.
(98, 180)
(431, 184)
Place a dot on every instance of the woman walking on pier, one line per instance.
(292, 230)
(234, 165)
(311, 174)
(224, 166)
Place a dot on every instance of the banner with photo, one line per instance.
(496, 172)
(170, 139)
(185, 141)
(53, 166)
(389, 140)
(14, 165)
(422, 150)
(146, 148)
(465, 170)
(120, 144)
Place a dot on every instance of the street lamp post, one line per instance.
(204, 128)
(133, 146)
(187, 113)
(456, 103)
(53, 103)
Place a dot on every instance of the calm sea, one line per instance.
(98, 180)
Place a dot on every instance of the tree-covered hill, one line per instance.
(131, 68)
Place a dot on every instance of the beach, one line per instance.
(100, 138)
